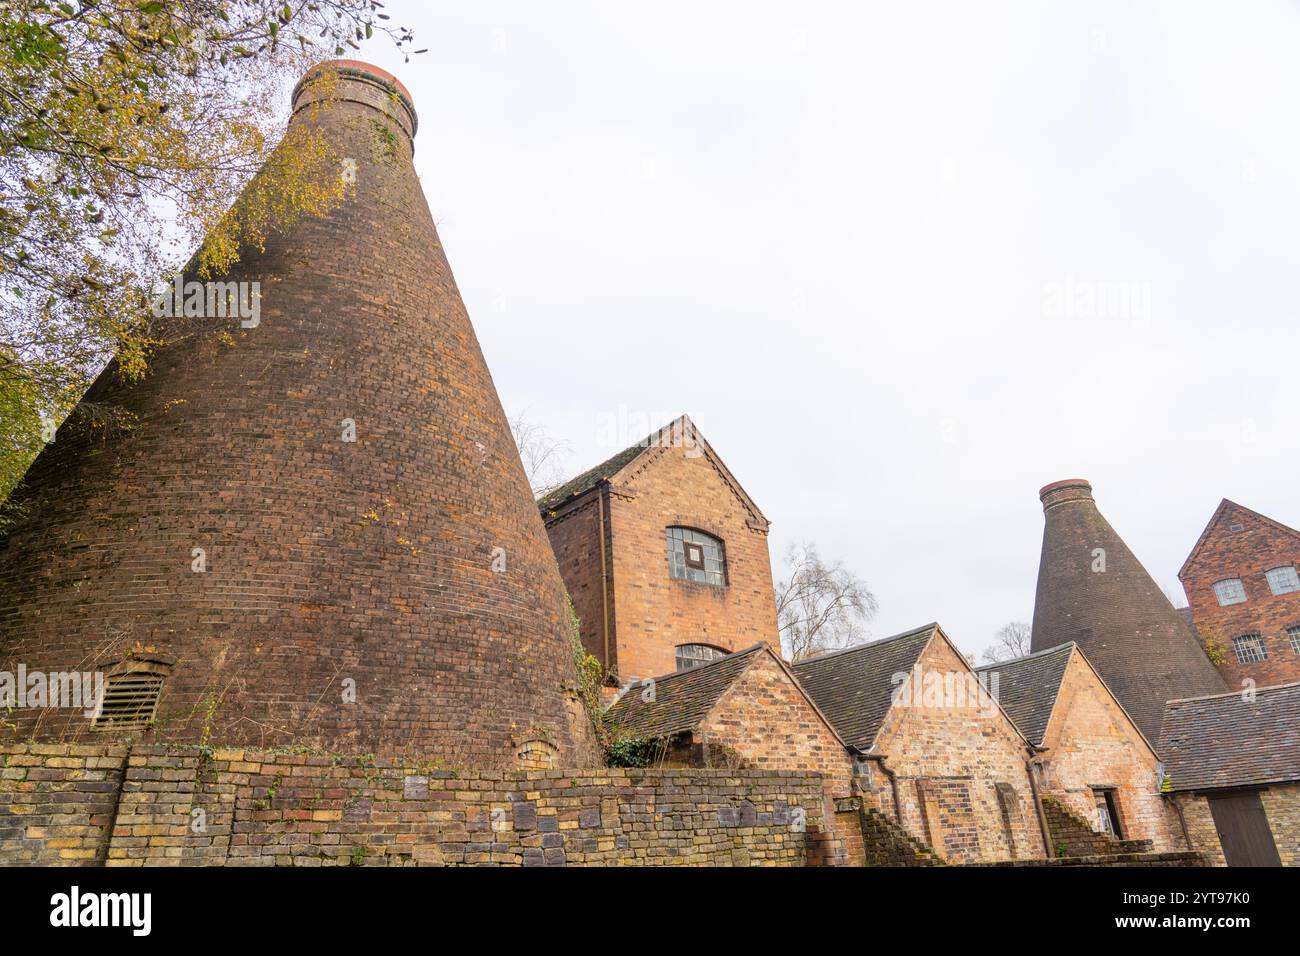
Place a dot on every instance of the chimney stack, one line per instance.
(1092, 590)
(317, 530)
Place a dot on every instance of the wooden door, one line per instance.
(1243, 829)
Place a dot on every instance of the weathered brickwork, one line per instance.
(409, 566)
(764, 722)
(1091, 743)
(651, 613)
(769, 723)
(958, 754)
(191, 806)
(885, 843)
(1202, 834)
(57, 802)
(1238, 543)
(1075, 836)
(1281, 807)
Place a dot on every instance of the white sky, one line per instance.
(903, 263)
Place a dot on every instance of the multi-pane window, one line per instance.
(1294, 634)
(697, 655)
(1283, 580)
(1230, 591)
(696, 556)
(1249, 649)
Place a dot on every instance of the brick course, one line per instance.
(258, 808)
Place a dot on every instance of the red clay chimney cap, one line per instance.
(1065, 483)
(364, 67)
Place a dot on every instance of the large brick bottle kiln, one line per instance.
(245, 572)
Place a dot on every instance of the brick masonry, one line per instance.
(327, 561)
(651, 613)
(765, 722)
(168, 806)
(947, 763)
(1260, 545)
(1281, 807)
(1091, 743)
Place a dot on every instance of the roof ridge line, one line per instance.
(1029, 656)
(857, 647)
(1232, 693)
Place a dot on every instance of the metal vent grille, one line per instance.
(129, 701)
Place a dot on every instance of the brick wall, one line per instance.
(1260, 546)
(575, 538)
(958, 755)
(764, 722)
(185, 806)
(1281, 807)
(767, 720)
(651, 612)
(1090, 743)
(1201, 831)
(57, 802)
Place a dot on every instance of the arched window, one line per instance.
(697, 655)
(696, 556)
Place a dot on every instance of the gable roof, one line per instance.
(1028, 687)
(676, 433)
(683, 699)
(854, 687)
(1224, 506)
(1229, 741)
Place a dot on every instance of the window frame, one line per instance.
(1241, 587)
(1258, 643)
(711, 568)
(1294, 575)
(699, 661)
(1293, 635)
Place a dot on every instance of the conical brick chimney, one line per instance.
(318, 530)
(1093, 591)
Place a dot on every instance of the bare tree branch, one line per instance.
(542, 454)
(820, 606)
(1011, 641)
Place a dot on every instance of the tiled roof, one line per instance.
(1228, 740)
(682, 699)
(593, 476)
(1027, 688)
(854, 687)
(1186, 614)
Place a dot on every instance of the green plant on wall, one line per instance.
(1213, 642)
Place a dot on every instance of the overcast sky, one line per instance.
(903, 263)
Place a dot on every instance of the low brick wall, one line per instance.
(150, 805)
(57, 802)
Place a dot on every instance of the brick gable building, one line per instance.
(665, 556)
(942, 760)
(1092, 758)
(1243, 588)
